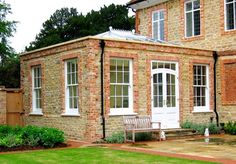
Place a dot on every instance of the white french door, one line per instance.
(165, 94)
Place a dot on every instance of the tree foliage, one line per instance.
(67, 24)
(9, 61)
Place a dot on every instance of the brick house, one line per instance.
(180, 66)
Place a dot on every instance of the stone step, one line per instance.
(179, 133)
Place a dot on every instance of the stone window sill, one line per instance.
(70, 115)
(36, 114)
(123, 114)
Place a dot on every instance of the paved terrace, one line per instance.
(221, 148)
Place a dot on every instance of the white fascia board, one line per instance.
(146, 4)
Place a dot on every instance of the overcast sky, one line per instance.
(32, 13)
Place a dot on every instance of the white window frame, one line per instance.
(185, 18)
(70, 111)
(35, 109)
(205, 108)
(225, 15)
(129, 110)
(158, 27)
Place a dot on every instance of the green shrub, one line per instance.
(51, 136)
(115, 138)
(119, 137)
(30, 135)
(11, 140)
(200, 128)
(230, 128)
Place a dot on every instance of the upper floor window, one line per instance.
(192, 18)
(201, 87)
(230, 14)
(158, 25)
(71, 86)
(121, 86)
(37, 90)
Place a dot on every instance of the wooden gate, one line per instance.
(14, 107)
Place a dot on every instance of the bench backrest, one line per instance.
(137, 122)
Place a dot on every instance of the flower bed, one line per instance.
(29, 137)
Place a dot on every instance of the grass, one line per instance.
(94, 155)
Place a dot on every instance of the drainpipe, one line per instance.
(215, 56)
(102, 46)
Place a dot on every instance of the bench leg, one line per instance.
(133, 136)
(125, 136)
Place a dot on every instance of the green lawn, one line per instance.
(87, 155)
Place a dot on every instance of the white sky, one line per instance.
(32, 13)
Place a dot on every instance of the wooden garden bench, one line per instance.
(140, 124)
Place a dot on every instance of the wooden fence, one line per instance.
(11, 108)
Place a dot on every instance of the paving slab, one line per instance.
(219, 147)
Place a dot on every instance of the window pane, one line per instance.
(160, 78)
(155, 78)
(173, 66)
(160, 65)
(119, 90)
(189, 24)
(189, 6)
(126, 77)
(160, 91)
(230, 16)
(155, 30)
(173, 90)
(125, 102)
(112, 102)
(196, 4)
(113, 77)
(162, 30)
(155, 101)
(119, 77)
(118, 102)
(172, 79)
(119, 65)
(155, 89)
(154, 65)
(167, 65)
(197, 22)
(70, 102)
(155, 16)
(73, 78)
(112, 65)
(126, 65)
(161, 14)
(125, 90)
(168, 101)
(160, 103)
(112, 90)
(173, 101)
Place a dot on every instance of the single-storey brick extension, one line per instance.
(179, 65)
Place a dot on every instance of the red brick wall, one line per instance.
(228, 86)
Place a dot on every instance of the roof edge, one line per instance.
(109, 39)
(134, 2)
(56, 45)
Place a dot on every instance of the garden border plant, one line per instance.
(12, 137)
(200, 128)
(230, 128)
(118, 137)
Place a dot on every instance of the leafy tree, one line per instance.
(9, 61)
(67, 24)
(6, 30)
